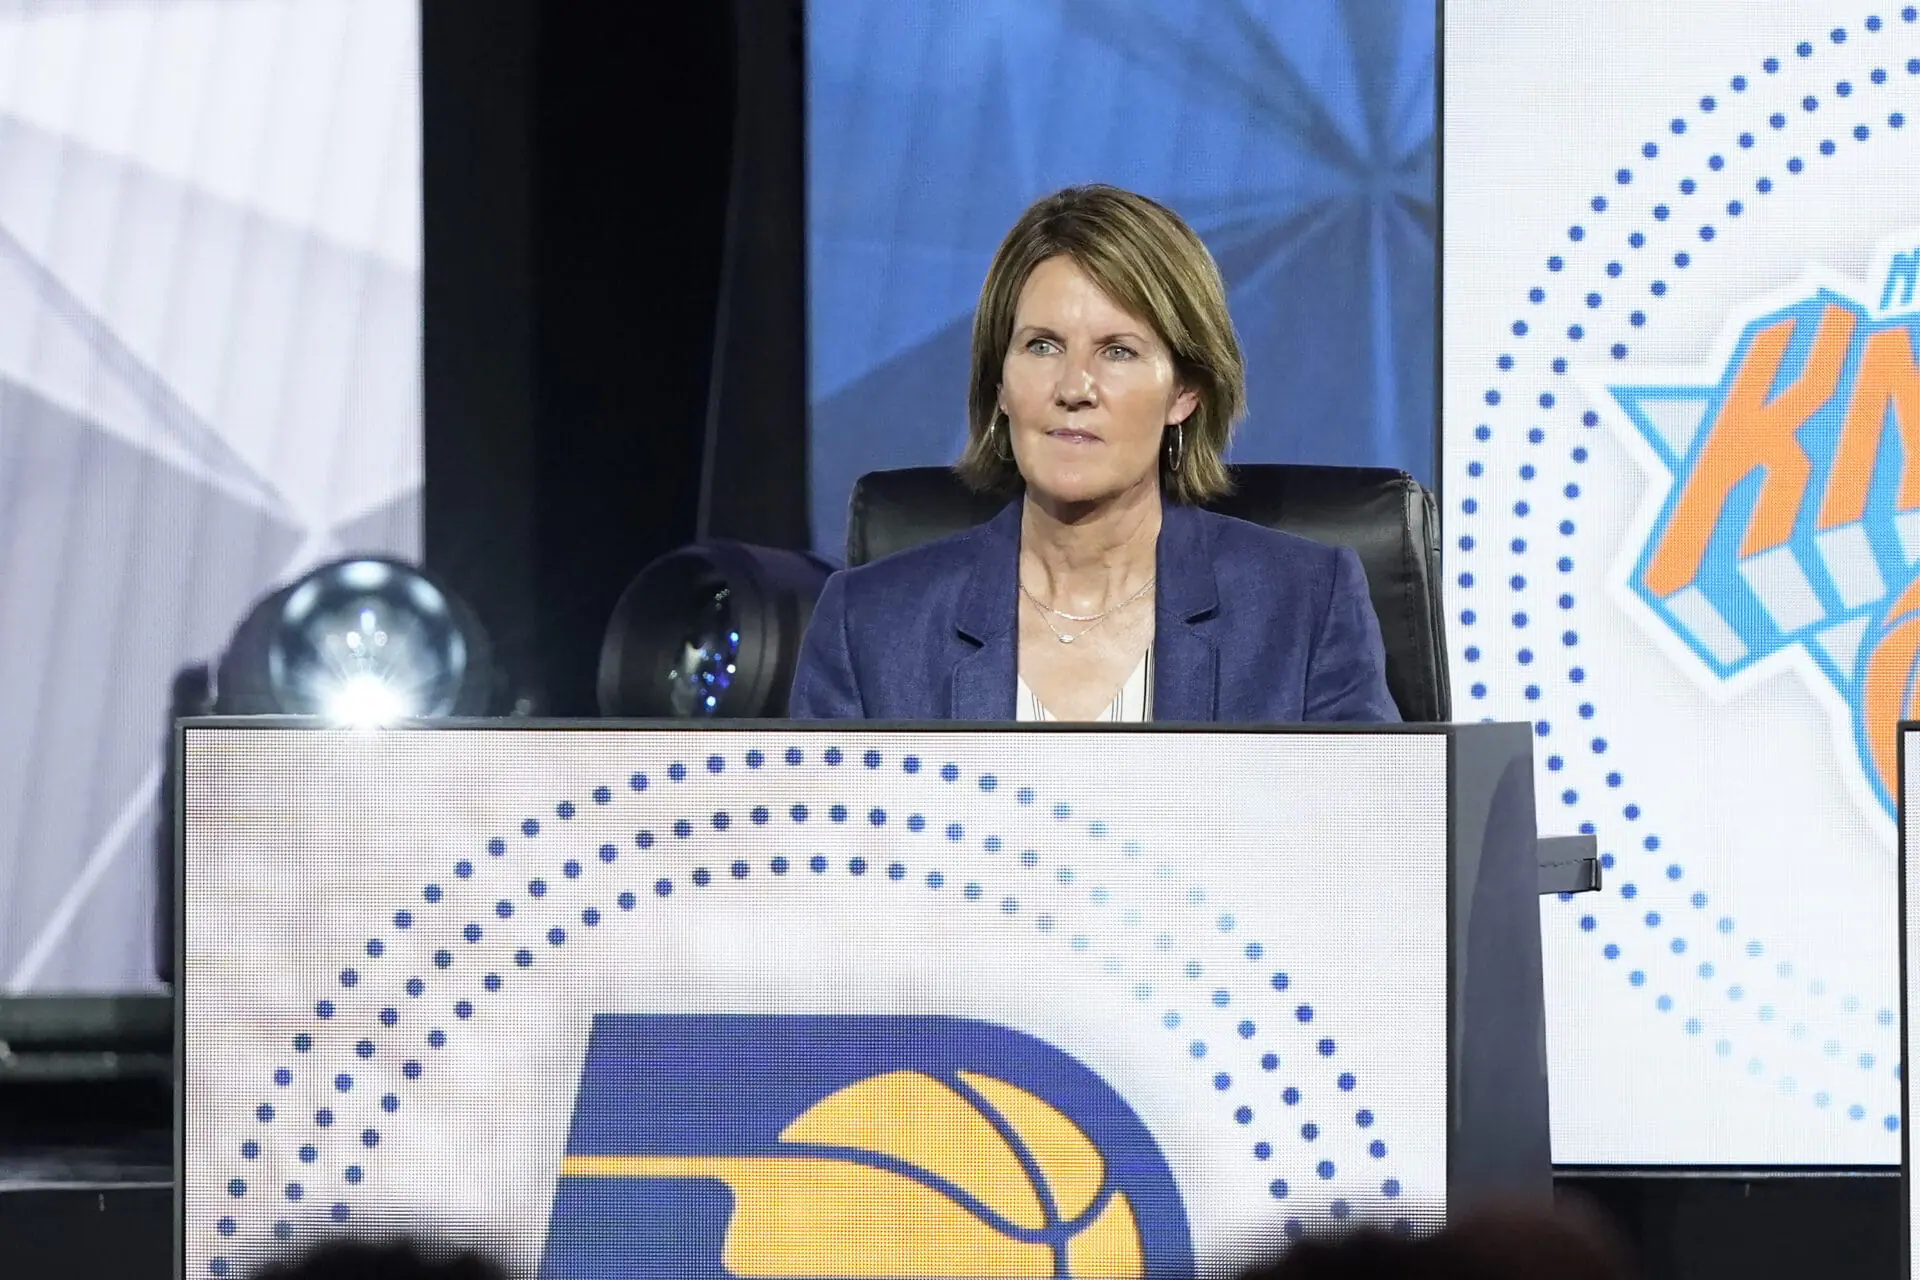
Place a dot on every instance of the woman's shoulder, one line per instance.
(1244, 544)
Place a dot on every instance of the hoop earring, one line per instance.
(1002, 440)
(1177, 449)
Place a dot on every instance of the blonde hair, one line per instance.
(1149, 262)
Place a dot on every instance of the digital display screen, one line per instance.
(1679, 330)
(210, 382)
(1297, 139)
(786, 1002)
(1910, 947)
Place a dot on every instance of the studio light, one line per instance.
(711, 630)
(361, 641)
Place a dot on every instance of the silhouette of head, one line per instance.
(382, 1260)
(1508, 1243)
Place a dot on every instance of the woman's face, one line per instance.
(1088, 389)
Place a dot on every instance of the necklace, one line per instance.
(1091, 619)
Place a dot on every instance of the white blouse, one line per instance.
(1132, 705)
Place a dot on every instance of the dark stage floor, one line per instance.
(86, 1138)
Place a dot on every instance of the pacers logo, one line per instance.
(854, 1146)
(1793, 521)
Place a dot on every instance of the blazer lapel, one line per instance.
(1185, 665)
(983, 679)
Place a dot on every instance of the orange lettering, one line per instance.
(1752, 434)
(1888, 379)
(1886, 694)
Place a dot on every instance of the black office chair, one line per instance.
(1383, 514)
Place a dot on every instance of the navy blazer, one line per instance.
(1251, 626)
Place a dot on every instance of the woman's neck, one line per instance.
(1088, 558)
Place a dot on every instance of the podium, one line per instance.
(852, 999)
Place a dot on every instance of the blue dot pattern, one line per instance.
(413, 1023)
(1623, 256)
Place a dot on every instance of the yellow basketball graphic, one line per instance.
(902, 1174)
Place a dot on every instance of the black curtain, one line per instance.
(477, 282)
(755, 481)
(578, 160)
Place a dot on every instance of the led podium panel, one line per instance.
(808, 1001)
(1909, 751)
(1681, 252)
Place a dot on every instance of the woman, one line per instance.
(1106, 381)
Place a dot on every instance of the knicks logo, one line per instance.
(1794, 515)
(854, 1146)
